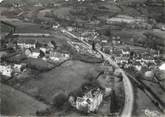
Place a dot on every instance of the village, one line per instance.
(30, 49)
(107, 62)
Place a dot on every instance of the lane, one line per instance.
(129, 95)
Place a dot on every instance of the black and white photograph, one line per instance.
(82, 58)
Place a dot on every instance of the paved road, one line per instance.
(129, 96)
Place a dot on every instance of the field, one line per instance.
(14, 102)
(66, 78)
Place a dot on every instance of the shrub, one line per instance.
(59, 100)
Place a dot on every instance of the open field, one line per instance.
(14, 102)
(66, 78)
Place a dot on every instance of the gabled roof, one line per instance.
(27, 41)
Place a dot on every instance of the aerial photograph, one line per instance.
(82, 58)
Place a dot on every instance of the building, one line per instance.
(35, 54)
(121, 59)
(6, 70)
(52, 44)
(162, 67)
(18, 67)
(90, 102)
(116, 40)
(125, 52)
(56, 56)
(26, 43)
(43, 49)
(32, 53)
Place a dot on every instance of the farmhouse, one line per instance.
(26, 43)
(56, 56)
(18, 67)
(88, 101)
(6, 70)
(91, 100)
(32, 53)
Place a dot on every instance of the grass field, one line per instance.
(14, 102)
(66, 78)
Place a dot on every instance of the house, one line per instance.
(6, 70)
(35, 54)
(56, 26)
(90, 102)
(148, 60)
(162, 67)
(52, 44)
(125, 52)
(70, 29)
(116, 40)
(121, 59)
(18, 67)
(43, 49)
(26, 43)
(32, 53)
(56, 56)
(138, 66)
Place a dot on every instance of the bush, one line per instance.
(39, 65)
(59, 100)
(43, 112)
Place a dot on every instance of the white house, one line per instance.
(90, 100)
(162, 67)
(32, 53)
(18, 67)
(56, 26)
(26, 43)
(6, 70)
(125, 52)
(56, 56)
(43, 49)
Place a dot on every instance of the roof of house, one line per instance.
(27, 41)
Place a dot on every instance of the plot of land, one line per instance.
(66, 78)
(14, 102)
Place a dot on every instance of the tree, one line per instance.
(59, 100)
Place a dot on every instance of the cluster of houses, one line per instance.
(125, 59)
(9, 70)
(89, 102)
(34, 49)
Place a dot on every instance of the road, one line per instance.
(129, 95)
(149, 92)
